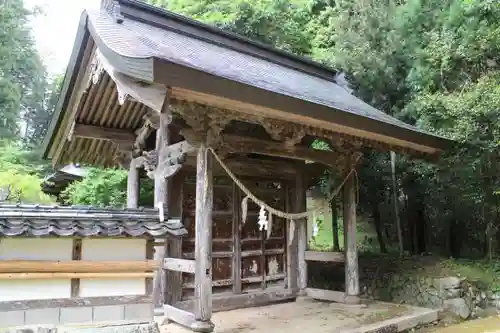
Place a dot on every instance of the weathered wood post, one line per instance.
(161, 199)
(351, 252)
(203, 241)
(301, 206)
(133, 185)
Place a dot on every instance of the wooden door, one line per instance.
(263, 260)
(242, 258)
(222, 234)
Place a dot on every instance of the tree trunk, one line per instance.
(378, 227)
(421, 228)
(395, 200)
(335, 225)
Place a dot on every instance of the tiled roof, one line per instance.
(137, 40)
(34, 220)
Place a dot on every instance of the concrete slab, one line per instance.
(307, 315)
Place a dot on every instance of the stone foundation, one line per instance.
(452, 293)
(81, 314)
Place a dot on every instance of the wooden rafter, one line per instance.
(238, 144)
(103, 133)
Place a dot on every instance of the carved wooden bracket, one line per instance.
(289, 133)
(123, 157)
(168, 164)
(206, 123)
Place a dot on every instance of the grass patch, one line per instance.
(482, 273)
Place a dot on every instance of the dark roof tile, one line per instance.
(34, 220)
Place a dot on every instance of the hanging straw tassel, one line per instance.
(291, 235)
(262, 222)
(244, 209)
(161, 214)
(269, 225)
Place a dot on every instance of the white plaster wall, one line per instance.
(35, 249)
(113, 249)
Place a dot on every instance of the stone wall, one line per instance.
(406, 281)
(450, 293)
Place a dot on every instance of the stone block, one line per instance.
(76, 315)
(139, 311)
(11, 318)
(451, 282)
(109, 313)
(42, 316)
(457, 306)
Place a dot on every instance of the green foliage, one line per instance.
(37, 122)
(276, 22)
(105, 188)
(24, 188)
(22, 76)
(483, 274)
(21, 171)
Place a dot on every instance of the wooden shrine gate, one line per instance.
(243, 258)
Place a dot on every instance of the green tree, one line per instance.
(37, 122)
(22, 171)
(275, 22)
(22, 76)
(105, 187)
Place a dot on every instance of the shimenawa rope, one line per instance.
(272, 211)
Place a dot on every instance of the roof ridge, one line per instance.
(225, 38)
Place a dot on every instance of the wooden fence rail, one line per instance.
(77, 266)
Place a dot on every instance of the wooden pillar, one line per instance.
(133, 186)
(203, 241)
(236, 266)
(351, 252)
(301, 206)
(161, 199)
(174, 249)
(292, 245)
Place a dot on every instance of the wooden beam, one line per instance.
(179, 316)
(203, 235)
(236, 254)
(76, 256)
(180, 265)
(148, 282)
(97, 275)
(250, 299)
(326, 295)
(351, 252)
(104, 133)
(133, 186)
(301, 206)
(161, 202)
(75, 266)
(174, 279)
(240, 144)
(325, 256)
(292, 246)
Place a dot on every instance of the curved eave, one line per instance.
(196, 86)
(70, 80)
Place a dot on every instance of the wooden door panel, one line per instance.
(222, 234)
(263, 260)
